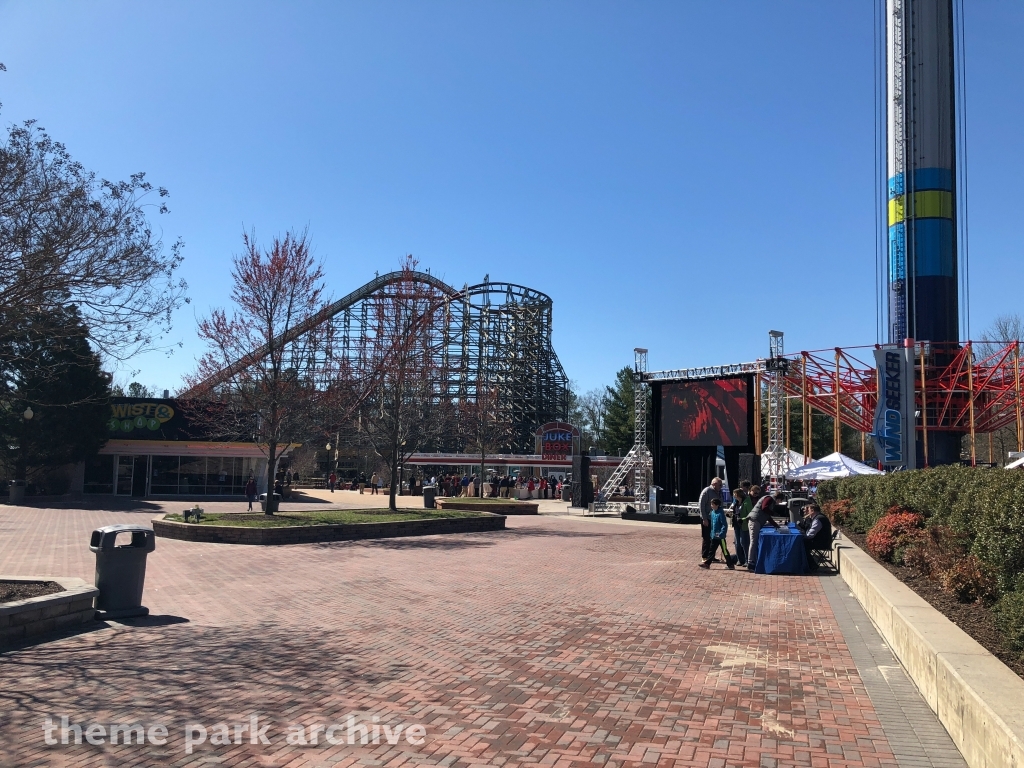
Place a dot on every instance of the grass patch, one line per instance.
(321, 517)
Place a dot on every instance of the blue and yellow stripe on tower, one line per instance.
(933, 229)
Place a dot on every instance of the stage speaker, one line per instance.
(582, 488)
(750, 468)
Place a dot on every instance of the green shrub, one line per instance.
(1009, 614)
(984, 506)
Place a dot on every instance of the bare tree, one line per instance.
(406, 407)
(263, 395)
(483, 426)
(1005, 329)
(68, 238)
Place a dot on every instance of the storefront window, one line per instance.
(192, 476)
(99, 474)
(164, 480)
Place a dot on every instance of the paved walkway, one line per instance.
(559, 642)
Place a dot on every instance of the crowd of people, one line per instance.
(752, 509)
(454, 485)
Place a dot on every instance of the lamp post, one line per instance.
(17, 492)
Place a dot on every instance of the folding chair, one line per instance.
(823, 555)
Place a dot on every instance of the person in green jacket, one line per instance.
(741, 507)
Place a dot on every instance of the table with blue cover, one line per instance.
(781, 551)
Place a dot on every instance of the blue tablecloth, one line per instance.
(781, 551)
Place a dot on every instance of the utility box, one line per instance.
(121, 569)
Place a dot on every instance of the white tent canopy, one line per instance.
(833, 465)
(795, 460)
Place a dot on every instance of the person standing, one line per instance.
(719, 530)
(741, 507)
(713, 491)
(250, 491)
(760, 516)
(373, 484)
(331, 481)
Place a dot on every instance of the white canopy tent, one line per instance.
(795, 460)
(833, 465)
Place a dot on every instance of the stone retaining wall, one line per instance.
(494, 507)
(977, 698)
(310, 534)
(26, 618)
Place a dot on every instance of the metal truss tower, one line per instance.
(776, 457)
(638, 460)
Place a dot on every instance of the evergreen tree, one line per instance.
(618, 433)
(47, 365)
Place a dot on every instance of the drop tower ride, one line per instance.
(921, 184)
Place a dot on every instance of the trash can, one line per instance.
(17, 492)
(263, 500)
(796, 509)
(566, 492)
(652, 500)
(429, 494)
(121, 570)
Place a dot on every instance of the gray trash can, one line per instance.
(652, 499)
(796, 509)
(121, 570)
(429, 494)
(263, 500)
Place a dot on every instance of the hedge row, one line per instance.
(986, 505)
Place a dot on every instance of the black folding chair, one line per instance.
(822, 553)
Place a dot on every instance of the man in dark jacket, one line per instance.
(817, 530)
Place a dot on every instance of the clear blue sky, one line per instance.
(676, 175)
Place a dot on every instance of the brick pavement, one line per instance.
(558, 642)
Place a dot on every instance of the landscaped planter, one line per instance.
(495, 507)
(34, 616)
(311, 534)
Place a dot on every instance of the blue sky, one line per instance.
(682, 176)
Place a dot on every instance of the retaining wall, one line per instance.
(310, 534)
(36, 615)
(978, 699)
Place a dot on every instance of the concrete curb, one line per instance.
(977, 698)
(314, 534)
(23, 619)
(489, 507)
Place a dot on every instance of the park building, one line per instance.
(155, 450)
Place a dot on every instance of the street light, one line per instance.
(17, 490)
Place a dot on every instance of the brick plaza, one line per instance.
(557, 642)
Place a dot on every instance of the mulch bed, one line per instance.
(12, 591)
(975, 619)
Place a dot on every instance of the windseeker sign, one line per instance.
(894, 426)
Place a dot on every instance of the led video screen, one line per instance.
(705, 412)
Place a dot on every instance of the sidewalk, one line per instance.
(561, 641)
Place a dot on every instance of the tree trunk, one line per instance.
(394, 480)
(271, 477)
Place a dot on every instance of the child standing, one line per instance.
(719, 530)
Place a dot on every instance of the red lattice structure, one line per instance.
(969, 387)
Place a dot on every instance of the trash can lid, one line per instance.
(104, 538)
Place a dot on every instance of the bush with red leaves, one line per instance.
(890, 537)
(970, 580)
(936, 551)
(838, 512)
